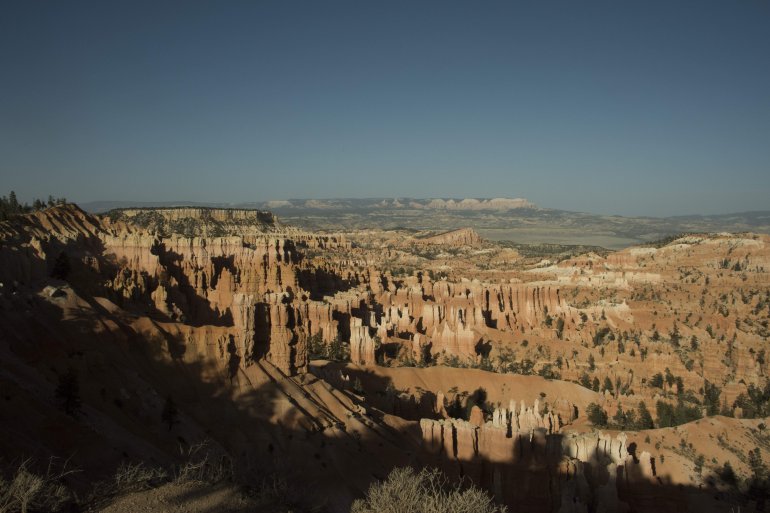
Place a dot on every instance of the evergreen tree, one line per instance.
(596, 415)
(619, 419)
(711, 395)
(10, 206)
(608, 384)
(559, 328)
(13, 203)
(665, 414)
(645, 417)
(61, 267)
(68, 393)
(758, 469)
(170, 413)
(727, 474)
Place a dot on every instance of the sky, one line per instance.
(632, 108)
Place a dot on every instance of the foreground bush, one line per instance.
(26, 491)
(426, 491)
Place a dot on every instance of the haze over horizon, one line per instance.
(650, 109)
(296, 203)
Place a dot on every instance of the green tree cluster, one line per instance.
(336, 350)
(670, 415)
(637, 419)
(755, 403)
(10, 206)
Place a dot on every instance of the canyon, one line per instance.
(331, 357)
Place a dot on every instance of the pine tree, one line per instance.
(596, 415)
(358, 388)
(61, 267)
(758, 470)
(619, 419)
(645, 417)
(727, 474)
(559, 328)
(13, 203)
(68, 393)
(711, 398)
(170, 414)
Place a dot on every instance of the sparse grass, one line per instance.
(128, 478)
(136, 477)
(26, 490)
(203, 465)
(740, 454)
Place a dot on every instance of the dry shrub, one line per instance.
(204, 465)
(137, 477)
(274, 495)
(25, 490)
(128, 478)
(426, 491)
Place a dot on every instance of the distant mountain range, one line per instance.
(494, 204)
(494, 218)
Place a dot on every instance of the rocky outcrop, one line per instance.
(362, 350)
(245, 280)
(453, 317)
(545, 471)
(461, 237)
(196, 221)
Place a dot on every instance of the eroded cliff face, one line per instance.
(461, 237)
(454, 318)
(551, 472)
(248, 284)
(200, 222)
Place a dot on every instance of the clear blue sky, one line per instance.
(623, 107)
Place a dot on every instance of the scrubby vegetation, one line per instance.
(25, 490)
(29, 488)
(424, 491)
